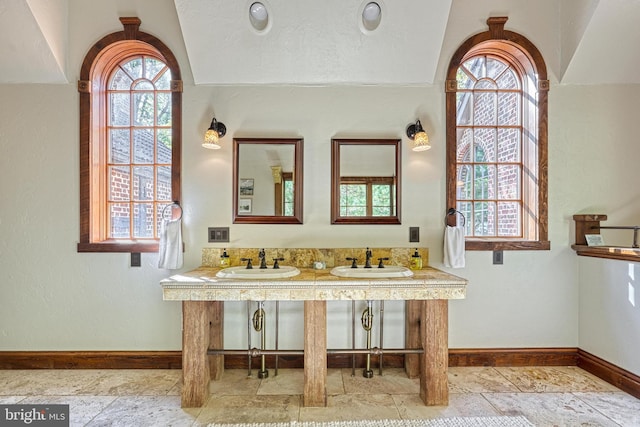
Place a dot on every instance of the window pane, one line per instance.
(484, 108)
(509, 224)
(119, 189)
(495, 67)
(509, 145)
(463, 182)
(163, 183)
(464, 81)
(476, 66)
(381, 203)
(353, 199)
(484, 182)
(119, 146)
(164, 146)
(152, 67)
(508, 80)
(144, 85)
(465, 209)
(508, 182)
(119, 109)
(142, 220)
(164, 109)
(143, 183)
(119, 220)
(381, 195)
(143, 108)
(164, 81)
(486, 84)
(464, 145)
(485, 145)
(120, 81)
(143, 145)
(508, 108)
(288, 198)
(464, 101)
(484, 218)
(159, 211)
(134, 68)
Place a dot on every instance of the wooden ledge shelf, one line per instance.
(588, 224)
(611, 252)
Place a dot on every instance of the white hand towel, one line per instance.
(170, 248)
(454, 247)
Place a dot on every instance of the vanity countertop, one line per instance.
(202, 284)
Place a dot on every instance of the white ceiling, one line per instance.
(322, 42)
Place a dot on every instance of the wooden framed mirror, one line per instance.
(365, 181)
(267, 180)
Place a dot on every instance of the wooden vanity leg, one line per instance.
(195, 363)
(413, 339)
(434, 362)
(315, 353)
(216, 338)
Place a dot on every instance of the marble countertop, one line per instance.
(202, 284)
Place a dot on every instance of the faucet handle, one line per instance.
(353, 261)
(380, 264)
(249, 265)
(275, 262)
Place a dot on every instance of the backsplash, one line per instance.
(305, 257)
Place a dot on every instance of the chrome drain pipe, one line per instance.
(249, 336)
(258, 325)
(277, 323)
(381, 337)
(353, 337)
(367, 323)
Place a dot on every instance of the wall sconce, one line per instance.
(216, 131)
(418, 136)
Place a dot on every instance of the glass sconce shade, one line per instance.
(212, 137)
(420, 139)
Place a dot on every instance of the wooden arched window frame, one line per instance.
(525, 59)
(96, 69)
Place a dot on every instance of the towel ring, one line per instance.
(453, 211)
(172, 205)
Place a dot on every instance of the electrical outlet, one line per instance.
(497, 257)
(136, 259)
(414, 234)
(218, 234)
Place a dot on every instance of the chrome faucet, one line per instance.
(263, 259)
(368, 254)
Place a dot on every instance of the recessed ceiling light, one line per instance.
(371, 15)
(258, 16)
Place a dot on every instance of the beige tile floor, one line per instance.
(546, 396)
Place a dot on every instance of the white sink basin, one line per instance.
(241, 272)
(388, 272)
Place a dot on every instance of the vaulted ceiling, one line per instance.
(324, 43)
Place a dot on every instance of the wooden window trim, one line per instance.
(524, 51)
(117, 46)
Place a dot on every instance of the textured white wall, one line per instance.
(610, 311)
(53, 298)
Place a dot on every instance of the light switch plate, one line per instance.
(414, 234)
(218, 234)
(136, 259)
(498, 257)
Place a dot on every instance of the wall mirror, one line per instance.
(365, 181)
(267, 181)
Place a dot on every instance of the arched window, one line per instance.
(497, 140)
(130, 116)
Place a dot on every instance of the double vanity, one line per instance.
(203, 291)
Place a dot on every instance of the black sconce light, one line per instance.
(420, 139)
(216, 131)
